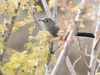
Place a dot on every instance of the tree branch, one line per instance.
(34, 16)
(98, 68)
(94, 53)
(55, 10)
(82, 55)
(3, 32)
(77, 61)
(5, 18)
(47, 10)
(9, 32)
(71, 68)
(67, 44)
(86, 51)
(96, 44)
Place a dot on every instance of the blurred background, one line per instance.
(20, 37)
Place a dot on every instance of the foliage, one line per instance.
(31, 63)
(23, 63)
(34, 63)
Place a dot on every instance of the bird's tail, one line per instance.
(84, 34)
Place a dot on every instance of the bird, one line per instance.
(50, 26)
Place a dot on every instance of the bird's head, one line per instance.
(47, 21)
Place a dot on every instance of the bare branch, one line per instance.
(82, 55)
(86, 51)
(54, 18)
(5, 18)
(9, 31)
(16, 72)
(3, 32)
(34, 16)
(67, 44)
(55, 10)
(97, 42)
(76, 61)
(72, 71)
(11, 25)
(94, 53)
(48, 66)
(98, 68)
(98, 60)
(37, 62)
(47, 10)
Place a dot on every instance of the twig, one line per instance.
(67, 44)
(9, 31)
(94, 53)
(47, 10)
(3, 32)
(86, 51)
(54, 17)
(98, 68)
(55, 10)
(72, 71)
(5, 17)
(37, 62)
(56, 49)
(11, 25)
(98, 60)
(83, 55)
(16, 72)
(76, 61)
(34, 16)
(50, 15)
(97, 42)
(48, 67)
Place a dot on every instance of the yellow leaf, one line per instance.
(9, 0)
(29, 45)
(20, 23)
(47, 33)
(28, 20)
(89, 6)
(2, 27)
(97, 73)
(30, 30)
(51, 3)
(82, 25)
(1, 44)
(30, 38)
(54, 59)
(24, 52)
(38, 8)
(2, 7)
(32, 1)
(75, 8)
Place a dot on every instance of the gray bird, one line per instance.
(50, 26)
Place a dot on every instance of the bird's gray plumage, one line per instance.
(50, 26)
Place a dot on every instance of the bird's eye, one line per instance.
(47, 20)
